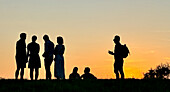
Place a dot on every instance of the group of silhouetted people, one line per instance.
(87, 75)
(32, 57)
(34, 63)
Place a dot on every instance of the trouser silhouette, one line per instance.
(47, 67)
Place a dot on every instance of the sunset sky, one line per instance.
(88, 28)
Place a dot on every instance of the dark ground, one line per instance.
(127, 85)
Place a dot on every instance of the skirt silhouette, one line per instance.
(59, 67)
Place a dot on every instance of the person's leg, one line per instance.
(22, 73)
(48, 72)
(122, 74)
(49, 75)
(17, 73)
(46, 68)
(116, 71)
(50, 68)
(31, 73)
(36, 73)
(121, 71)
(117, 74)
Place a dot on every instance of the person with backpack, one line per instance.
(120, 52)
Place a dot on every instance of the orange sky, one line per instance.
(88, 28)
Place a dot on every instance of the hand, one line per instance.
(111, 52)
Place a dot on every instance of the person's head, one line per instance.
(34, 38)
(75, 70)
(45, 37)
(23, 36)
(86, 70)
(116, 39)
(60, 40)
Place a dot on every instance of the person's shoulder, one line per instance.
(19, 41)
(71, 75)
(77, 74)
(29, 44)
(37, 44)
(82, 75)
(91, 75)
(51, 42)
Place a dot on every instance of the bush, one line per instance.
(161, 72)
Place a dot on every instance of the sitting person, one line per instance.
(87, 74)
(74, 75)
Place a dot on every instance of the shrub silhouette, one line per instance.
(162, 71)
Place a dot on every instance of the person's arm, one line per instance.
(55, 50)
(70, 77)
(28, 52)
(111, 52)
(17, 47)
(38, 48)
(62, 52)
(46, 49)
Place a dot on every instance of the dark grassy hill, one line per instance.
(127, 85)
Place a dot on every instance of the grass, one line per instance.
(127, 85)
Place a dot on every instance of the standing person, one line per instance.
(21, 58)
(48, 55)
(59, 59)
(120, 52)
(33, 49)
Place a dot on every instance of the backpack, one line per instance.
(125, 51)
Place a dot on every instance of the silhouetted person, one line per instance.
(74, 75)
(33, 49)
(48, 55)
(87, 74)
(118, 64)
(21, 58)
(59, 59)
